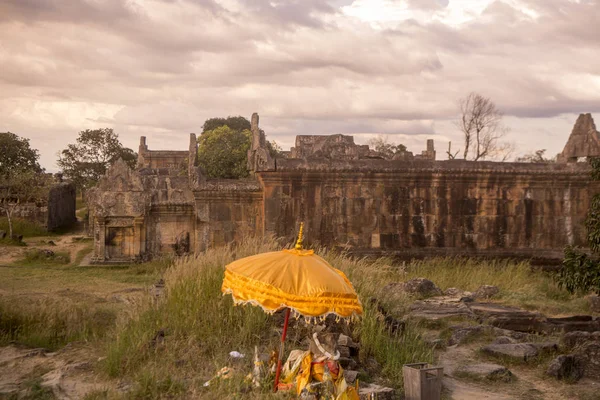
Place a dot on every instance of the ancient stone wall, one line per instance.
(228, 211)
(172, 159)
(61, 206)
(348, 196)
(55, 210)
(429, 207)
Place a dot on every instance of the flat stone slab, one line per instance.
(439, 308)
(489, 371)
(373, 391)
(517, 351)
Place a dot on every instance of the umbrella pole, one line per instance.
(283, 335)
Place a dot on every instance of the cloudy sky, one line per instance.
(159, 68)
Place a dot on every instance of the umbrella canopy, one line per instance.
(296, 279)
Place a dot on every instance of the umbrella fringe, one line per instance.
(312, 320)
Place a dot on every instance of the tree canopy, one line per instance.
(238, 123)
(21, 178)
(85, 161)
(223, 152)
(387, 149)
(17, 155)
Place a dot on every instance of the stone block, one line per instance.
(488, 371)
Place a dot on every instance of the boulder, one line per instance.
(452, 292)
(416, 287)
(347, 341)
(488, 371)
(567, 367)
(577, 338)
(516, 351)
(545, 347)
(504, 340)
(350, 376)
(486, 292)
(511, 318)
(348, 363)
(463, 334)
(572, 324)
(439, 308)
(590, 352)
(593, 300)
(373, 391)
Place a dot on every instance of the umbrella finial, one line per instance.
(300, 237)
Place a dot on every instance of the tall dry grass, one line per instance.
(51, 323)
(202, 326)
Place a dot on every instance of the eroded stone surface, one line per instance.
(373, 391)
(409, 206)
(517, 351)
(486, 292)
(492, 372)
(567, 367)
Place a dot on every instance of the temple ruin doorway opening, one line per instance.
(119, 242)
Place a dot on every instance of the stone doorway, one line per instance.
(119, 243)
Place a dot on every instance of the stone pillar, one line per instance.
(99, 238)
(139, 236)
(141, 152)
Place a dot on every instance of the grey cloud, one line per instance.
(169, 65)
(296, 12)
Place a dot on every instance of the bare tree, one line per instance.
(481, 124)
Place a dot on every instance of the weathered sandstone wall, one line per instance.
(429, 207)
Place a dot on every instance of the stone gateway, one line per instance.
(348, 196)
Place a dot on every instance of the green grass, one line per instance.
(23, 227)
(80, 203)
(11, 242)
(82, 253)
(51, 323)
(519, 284)
(51, 305)
(37, 257)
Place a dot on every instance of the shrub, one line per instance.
(581, 271)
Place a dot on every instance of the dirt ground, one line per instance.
(69, 373)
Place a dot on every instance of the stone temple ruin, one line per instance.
(348, 196)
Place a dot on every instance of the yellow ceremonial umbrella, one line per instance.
(294, 279)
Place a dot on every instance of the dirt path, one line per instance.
(71, 244)
(451, 359)
(70, 373)
(530, 384)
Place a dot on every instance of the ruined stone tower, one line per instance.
(583, 142)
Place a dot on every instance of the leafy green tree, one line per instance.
(581, 271)
(17, 155)
(18, 188)
(223, 152)
(387, 149)
(21, 177)
(238, 123)
(85, 161)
